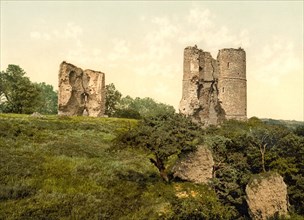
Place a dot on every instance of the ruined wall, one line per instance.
(190, 100)
(200, 93)
(80, 92)
(214, 90)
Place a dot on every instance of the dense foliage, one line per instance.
(242, 149)
(47, 99)
(163, 136)
(64, 168)
(146, 107)
(127, 107)
(19, 95)
(113, 97)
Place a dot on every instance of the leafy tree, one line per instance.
(146, 107)
(231, 170)
(48, 99)
(265, 138)
(163, 136)
(113, 97)
(300, 130)
(261, 138)
(127, 113)
(19, 94)
(289, 162)
(127, 107)
(237, 152)
(125, 102)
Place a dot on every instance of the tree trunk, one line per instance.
(161, 168)
(262, 150)
(164, 175)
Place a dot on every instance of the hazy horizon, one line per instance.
(139, 45)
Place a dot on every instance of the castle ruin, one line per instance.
(214, 89)
(80, 92)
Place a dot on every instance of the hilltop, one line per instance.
(58, 167)
(63, 168)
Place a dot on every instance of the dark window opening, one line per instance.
(223, 89)
(228, 65)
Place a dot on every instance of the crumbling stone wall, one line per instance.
(80, 92)
(214, 90)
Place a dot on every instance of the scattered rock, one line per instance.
(267, 196)
(37, 115)
(80, 91)
(196, 167)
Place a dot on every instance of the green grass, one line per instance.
(60, 166)
(66, 168)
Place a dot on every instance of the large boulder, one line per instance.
(196, 167)
(267, 196)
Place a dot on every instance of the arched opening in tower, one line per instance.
(84, 97)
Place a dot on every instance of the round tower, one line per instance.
(232, 83)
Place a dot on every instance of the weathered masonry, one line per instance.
(214, 89)
(80, 92)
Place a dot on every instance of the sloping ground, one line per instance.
(66, 168)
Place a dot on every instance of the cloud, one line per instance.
(69, 31)
(167, 33)
(72, 31)
(156, 70)
(156, 43)
(276, 60)
(37, 35)
(161, 88)
(202, 17)
(200, 28)
(85, 56)
(70, 39)
(120, 50)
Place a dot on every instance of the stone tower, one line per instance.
(80, 92)
(232, 82)
(214, 90)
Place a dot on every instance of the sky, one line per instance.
(139, 45)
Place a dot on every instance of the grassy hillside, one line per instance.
(66, 168)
